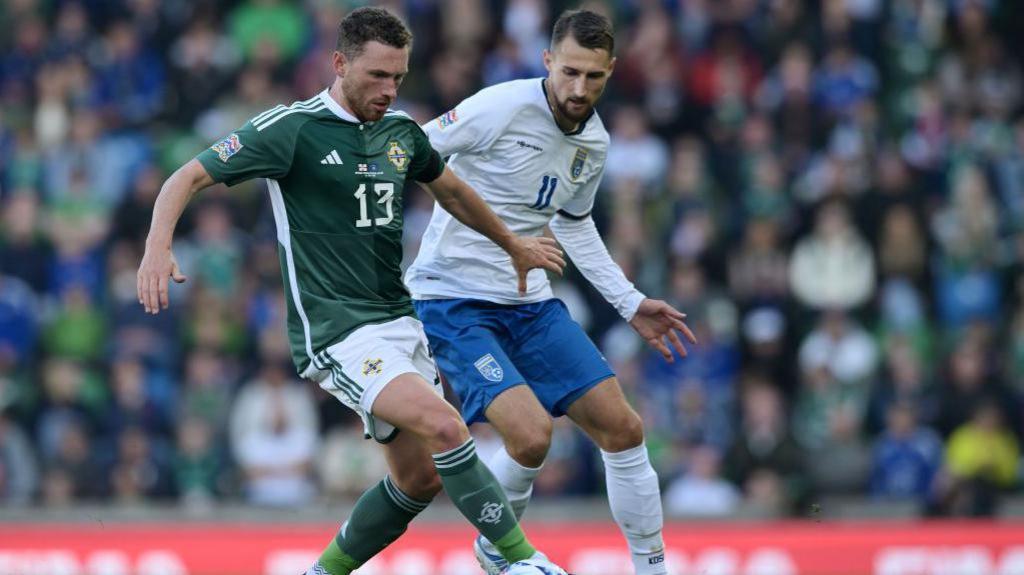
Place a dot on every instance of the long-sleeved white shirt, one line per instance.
(504, 142)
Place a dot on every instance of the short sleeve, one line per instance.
(427, 164)
(250, 153)
(580, 205)
(472, 126)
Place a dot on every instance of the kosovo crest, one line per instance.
(490, 368)
(576, 170)
(397, 156)
(227, 147)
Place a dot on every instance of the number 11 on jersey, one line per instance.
(386, 191)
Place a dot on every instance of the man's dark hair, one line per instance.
(590, 30)
(367, 24)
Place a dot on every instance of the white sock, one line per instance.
(635, 500)
(515, 479)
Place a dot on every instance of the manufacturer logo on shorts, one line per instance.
(372, 366)
(491, 512)
(489, 368)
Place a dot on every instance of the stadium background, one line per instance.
(833, 191)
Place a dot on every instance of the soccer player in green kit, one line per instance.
(336, 166)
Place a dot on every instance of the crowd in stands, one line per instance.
(833, 191)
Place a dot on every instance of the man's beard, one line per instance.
(577, 117)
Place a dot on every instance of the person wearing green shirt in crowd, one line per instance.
(336, 167)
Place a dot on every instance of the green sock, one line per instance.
(477, 494)
(380, 516)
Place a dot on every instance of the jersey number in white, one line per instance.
(386, 193)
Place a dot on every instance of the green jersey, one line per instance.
(336, 186)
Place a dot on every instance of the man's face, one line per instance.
(577, 77)
(370, 80)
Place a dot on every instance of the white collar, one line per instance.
(335, 107)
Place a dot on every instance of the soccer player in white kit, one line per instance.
(535, 150)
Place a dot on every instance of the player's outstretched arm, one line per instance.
(465, 205)
(158, 262)
(655, 320)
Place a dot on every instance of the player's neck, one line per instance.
(564, 124)
(338, 96)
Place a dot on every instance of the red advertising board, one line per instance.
(780, 548)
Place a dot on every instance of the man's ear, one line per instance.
(340, 63)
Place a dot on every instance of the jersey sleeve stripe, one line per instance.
(274, 120)
(398, 113)
(566, 214)
(280, 108)
(265, 114)
(296, 106)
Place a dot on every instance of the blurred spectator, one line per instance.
(24, 250)
(198, 466)
(758, 269)
(274, 438)
(635, 153)
(827, 419)
(845, 81)
(78, 329)
(18, 470)
(841, 348)
(833, 267)
(970, 383)
(206, 392)
(764, 460)
(75, 471)
(139, 471)
(905, 381)
(268, 31)
(701, 490)
(906, 457)
(347, 463)
(18, 321)
(983, 458)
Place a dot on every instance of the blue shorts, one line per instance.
(484, 348)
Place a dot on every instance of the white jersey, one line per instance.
(504, 142)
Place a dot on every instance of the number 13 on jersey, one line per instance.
(386, 195)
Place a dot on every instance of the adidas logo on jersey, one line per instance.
(333, 159)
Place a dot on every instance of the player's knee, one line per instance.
(529, 448)
(422, 483)
(444, 430)
(627, 434)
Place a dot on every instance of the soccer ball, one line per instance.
(534, 566)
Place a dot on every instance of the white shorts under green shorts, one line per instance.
(356, 369)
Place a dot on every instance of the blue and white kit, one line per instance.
(504, 142)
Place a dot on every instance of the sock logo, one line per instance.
(491, 512)
(656, 560)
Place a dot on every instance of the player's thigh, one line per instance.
(469, 349)
(555, 355)
(604, 414)
(409, 403)
(371, 359)
(523, 423)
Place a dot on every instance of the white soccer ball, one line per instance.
(534, 566)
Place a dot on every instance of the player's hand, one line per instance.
(535, 252)
(655, 321)
(157, 265)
